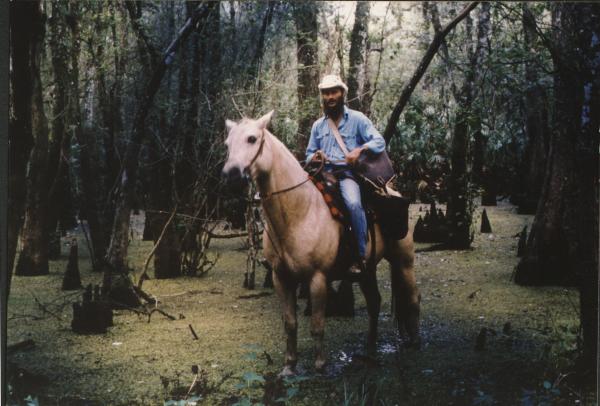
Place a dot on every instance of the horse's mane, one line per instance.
(281, 146)
(274, 139)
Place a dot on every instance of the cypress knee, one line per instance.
(486, 227)
(72, 279)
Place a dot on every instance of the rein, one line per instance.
(271, 194)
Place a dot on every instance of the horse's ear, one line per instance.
(229, 124)
(263, 122)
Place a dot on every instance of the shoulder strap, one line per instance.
(337, 135)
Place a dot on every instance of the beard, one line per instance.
(334, 111)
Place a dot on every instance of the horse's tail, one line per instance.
(405, 295)
(398, 311)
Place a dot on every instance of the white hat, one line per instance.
(330, 81)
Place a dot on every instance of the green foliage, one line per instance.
(253, 385)
(191, 401)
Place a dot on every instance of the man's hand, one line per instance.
(352, 157)
(319, 156)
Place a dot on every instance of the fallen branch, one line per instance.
(21, 346)
(234, 235)
(145, 296)
(255, 295)
(167, 315)
(24, 316)
(143, 312)
(45, 310)
(193, 332)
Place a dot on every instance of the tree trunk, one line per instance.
(164, 188)
(117, 252)
(61, 210)
(479, 138)
(115, 126)
(167, 257)
(459, 211)
(260, 49)
(33, 259)
(357, 57)
(563, 245)
(23, 49)
(210, 49)
(305, 17)
(89, 162)
(468, 120)
(531, 171)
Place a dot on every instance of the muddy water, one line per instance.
(146, 363)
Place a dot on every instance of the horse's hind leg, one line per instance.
(318, 297)
(368, 286)
(406, 297)
(287, 297)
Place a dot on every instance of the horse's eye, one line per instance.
(251, 139)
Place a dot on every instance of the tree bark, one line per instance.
(305, 17)
(260, 44)
(33, 259)
(210, 49)
(23, 48)
(390, 128)
(357, 56)
(61, 211)
(89, 160)
(162, 182)
(531, 170)
(563, 245)
(479, 138)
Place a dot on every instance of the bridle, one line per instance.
(271, 194)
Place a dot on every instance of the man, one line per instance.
(358, 134)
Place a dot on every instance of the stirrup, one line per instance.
(359, 267)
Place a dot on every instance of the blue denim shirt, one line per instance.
(354, 127)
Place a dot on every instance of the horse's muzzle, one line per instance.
(234, 178)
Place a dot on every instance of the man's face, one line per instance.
(332, 98)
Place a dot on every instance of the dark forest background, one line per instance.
(118, 106)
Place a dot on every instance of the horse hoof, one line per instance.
(287, 371)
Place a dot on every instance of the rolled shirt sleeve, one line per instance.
(370, 137)
(313, 144)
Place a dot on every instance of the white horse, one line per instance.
(302, 239)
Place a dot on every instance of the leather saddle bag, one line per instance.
(375, 169)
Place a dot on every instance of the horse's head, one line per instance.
(246, 148)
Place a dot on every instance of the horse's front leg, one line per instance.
(287, 296)
(318, 297)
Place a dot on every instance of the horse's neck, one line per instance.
(286, 208)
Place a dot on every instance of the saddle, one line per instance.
(384, 206)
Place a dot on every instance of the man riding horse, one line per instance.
(301, 239)
(357, 133)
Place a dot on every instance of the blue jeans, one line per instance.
(351, 195)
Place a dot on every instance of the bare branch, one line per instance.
(421, 68)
